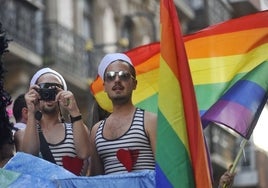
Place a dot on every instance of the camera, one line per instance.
(47, 94)
(48, 91)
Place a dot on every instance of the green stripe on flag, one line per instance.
(150, 104)
(208, 94)
(178, 158)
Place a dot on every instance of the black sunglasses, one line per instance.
(49, 85)
(122, 75)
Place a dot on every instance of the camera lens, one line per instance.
(47, 94)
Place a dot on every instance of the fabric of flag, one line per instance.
(181, 156)
(241, 105)
(25, 170)
(219, 56)
(222, 54)
(230, 72)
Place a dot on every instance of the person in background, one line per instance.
(7, 146)
(125, 140)
(97, 113)
(47, 134)
(20, 113)
(227, 179)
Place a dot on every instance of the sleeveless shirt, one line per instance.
(130, 152)
(65, 151)
(64, 147)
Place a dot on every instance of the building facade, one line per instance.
(72, 36)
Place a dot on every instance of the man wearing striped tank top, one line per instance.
(46, 134)
(125, 140)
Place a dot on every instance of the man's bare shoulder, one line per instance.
(96, 126)
(150, 115)
(150, 119)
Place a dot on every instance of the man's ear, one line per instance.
(24, 112)
(135, 84)
(103, 84)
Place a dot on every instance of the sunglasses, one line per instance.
(122, 75)
(49, 85)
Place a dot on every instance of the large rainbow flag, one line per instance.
(181, 156)
(219, 56)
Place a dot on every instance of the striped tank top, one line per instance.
(130, 152)
(64, 153)
(65, 147)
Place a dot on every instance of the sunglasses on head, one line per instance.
(49, 85)
(122, 75)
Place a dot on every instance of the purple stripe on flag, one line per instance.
(233, 115)
(247, 93)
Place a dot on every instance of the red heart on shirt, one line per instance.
(73, 164)
(127, 157)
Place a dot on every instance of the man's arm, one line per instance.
(18, 138)
(150, 128)
(96, 165)
(80, 130)
(30, 143)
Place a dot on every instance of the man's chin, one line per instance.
(50, 102)
(119, 100)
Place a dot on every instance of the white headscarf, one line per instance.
(108, 59)
(44, 71)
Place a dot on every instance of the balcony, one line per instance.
(66, 51)
(244, 7)
(36, 43)
(23, 24)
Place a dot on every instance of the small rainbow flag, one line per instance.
(241, 105)
(181, 156)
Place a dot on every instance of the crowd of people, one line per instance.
(123, 141)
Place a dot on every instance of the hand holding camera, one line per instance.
(48, 91)
(51, 92)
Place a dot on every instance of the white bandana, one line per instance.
(44, 71)
(108, 59)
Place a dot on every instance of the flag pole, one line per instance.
(243, 144)
(238, 156)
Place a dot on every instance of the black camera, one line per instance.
(48, 91)
(47, 94)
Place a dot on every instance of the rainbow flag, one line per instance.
(219, 56)
(241, 105)
(181, 156)
(222, 54)
(230, 88)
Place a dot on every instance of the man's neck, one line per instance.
(49, 120)
(123, 109)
